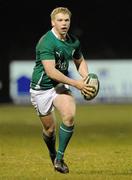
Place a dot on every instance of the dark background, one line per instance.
(103, 27)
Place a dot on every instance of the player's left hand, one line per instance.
(88, 90)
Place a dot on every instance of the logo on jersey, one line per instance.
(61, 63)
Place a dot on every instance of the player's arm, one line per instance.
(53, 73)
(81, 66)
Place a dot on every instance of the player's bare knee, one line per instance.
(50, 131)
(68, 120)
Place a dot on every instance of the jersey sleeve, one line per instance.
(45, 50)
(77, 53)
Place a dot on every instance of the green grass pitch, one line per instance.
(100, 149)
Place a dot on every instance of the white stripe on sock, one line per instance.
(60, 152)
(66, 130)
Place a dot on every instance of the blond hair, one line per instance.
(57, 10)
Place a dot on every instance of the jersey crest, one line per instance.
(61, 62)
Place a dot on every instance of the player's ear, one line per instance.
(52, 23)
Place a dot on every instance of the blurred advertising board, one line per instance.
(20, 75)
(115, 80)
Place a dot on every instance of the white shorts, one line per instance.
(42, 100)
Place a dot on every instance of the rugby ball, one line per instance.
(92, 80)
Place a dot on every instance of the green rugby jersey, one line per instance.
(50, 47)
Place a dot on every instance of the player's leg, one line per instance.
(42, 102)
(49, 137)
(65, 104)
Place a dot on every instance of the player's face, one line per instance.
(61, 24)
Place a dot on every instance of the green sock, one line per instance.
(65, 134)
